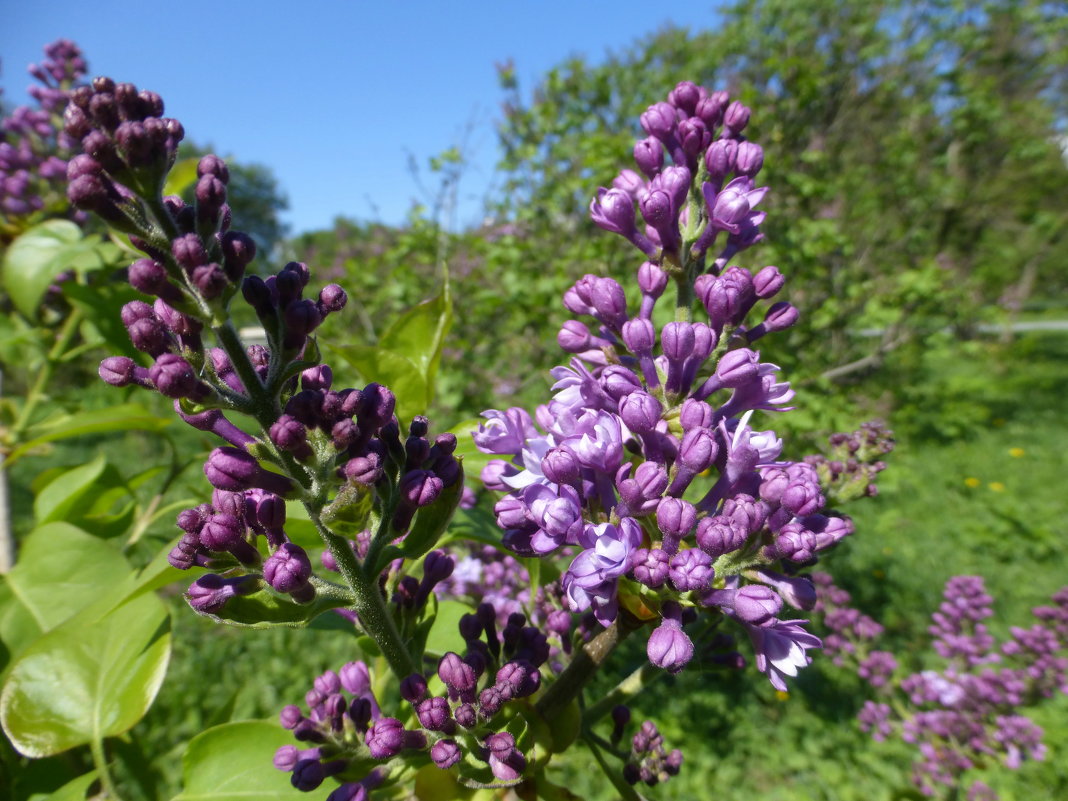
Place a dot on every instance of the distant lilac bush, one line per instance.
(34, 149)
(640, 497)
(962, 715)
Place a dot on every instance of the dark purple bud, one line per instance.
(685, 96)
(720, 159)
(659, 120)
(173, 376)
(737, 367)
(288, 568)
(433, 714)
(332, 298)
(677, 341)
(456, 674)
(117, 370)
(613, 210)
(693, 137)
(355, 678)
(221, 532)
(209, 593)
(675, 518)
(376, 406)
(466, 716)
(210, 280)
(189, 252)
(238, 251)
(420, 487)
(386, 738)
(617, 381)
(308, 774)
(490, 701)
(214, 166)
(290, 716)
(301, 317)
(234, 470)
(445, 753)
(413, 688)
(780, 317)
(364, 470)
(149, 276)
(608, 299)
(289, 434)
(257, 294)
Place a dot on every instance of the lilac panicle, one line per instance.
(644, 463)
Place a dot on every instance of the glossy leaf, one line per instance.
(419, 335)
(443, 632)
(75, 789)
(84, 682)
(61, 570)
(181, 176)
(266, 610)
(232, 762)
(56, 499)
(387, 367)
(64, 426)
(36, 257)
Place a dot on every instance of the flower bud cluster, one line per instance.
(33, 148)
(648, 761)
(615, 465)
(452, 713)
(966, 714)
(849, 470)
(330, 447)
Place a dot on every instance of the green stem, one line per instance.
(369, 603)
(626, 689)
(586, 663)
(100, 761)
(626, 792)
(63, 340)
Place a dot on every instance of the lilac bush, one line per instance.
(961, 708)
(642, 496)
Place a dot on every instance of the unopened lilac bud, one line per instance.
(649, 155)
(189, 252)
(716, 536)
(257, 294)
(210, 193)
(234, 470)
(445, 753)
(238, 251)
(675, 518)
(720, 158)
(677, 341)
(639, 335)
(209, 593)
(117, 370)
(669, 647)
(710, 108)
(290, 716)
(640, 411)
(629, 181)
(749, 159)
(659, 120)
(465, 716)
(685, 96)
(756, 604)
(695, 414)
(173, 376)
(355, 678)
(608, 299)
(652, 279)
(288, 568)
(698, 449)
(618, 382)
(736, 117)
(780, 317)
(214, 166)
(221, 532)
(574, 337)
(434, 714)
(413, 688)
(377, 405)
(385, 738)
(210, 280)
(737, 367)
(148, 276)
(456, 674)
(691, 569)
(332, 298)
(420, 487)
(613, 210)
(560, 466)
(364, 470)
(301, 317)
(650, 566)
(694, 137)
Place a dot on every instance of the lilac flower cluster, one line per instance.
(331, 446)
(647, 761)
(646, 408)
(965, 716)
(450, 714)
(33, 148)
(849, 471)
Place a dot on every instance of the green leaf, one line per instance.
(266, 610)
(396, 371)
(81, 683)
(34, 260)
(58, 497)
(102, 305)
(74, 790)
(419, 335)
(232, 762)
(442, 637)
(182, 176)
(65, 426)
(61, 570)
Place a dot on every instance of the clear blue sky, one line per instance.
(334, 96)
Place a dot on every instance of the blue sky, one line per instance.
(335, 96)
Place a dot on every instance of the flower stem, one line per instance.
(369, 603)
(586, 663)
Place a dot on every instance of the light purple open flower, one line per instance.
(781, 647)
